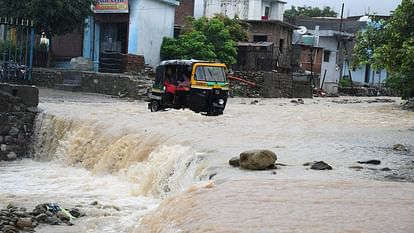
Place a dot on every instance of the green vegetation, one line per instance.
(206, 39)
(55, 17)
(390, 45)
(308, 11)
(345, 83)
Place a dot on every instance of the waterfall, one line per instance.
(155, 163)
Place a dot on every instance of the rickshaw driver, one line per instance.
(182, 89)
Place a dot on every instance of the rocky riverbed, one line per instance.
(96, 148)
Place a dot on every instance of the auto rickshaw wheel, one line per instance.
(155, 106)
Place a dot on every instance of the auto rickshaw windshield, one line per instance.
(210, 74)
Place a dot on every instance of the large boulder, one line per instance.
(257, 159)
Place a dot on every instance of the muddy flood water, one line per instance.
(168, 171)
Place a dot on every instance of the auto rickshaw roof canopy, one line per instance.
(184, 62)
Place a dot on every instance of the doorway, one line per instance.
(114, 37)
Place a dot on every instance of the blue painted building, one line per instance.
(138, 29)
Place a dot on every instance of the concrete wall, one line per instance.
(17, 114)
(277, 85)
(229, 8)
(332, 72)
(358, 75)
(150, 22)
(244, 9)
(121, 85)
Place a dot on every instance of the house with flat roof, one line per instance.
(337, 40)
(130, 27)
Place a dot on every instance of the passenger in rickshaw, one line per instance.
(169, 82)
(183, 88)
(184, 81)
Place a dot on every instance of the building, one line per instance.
(269, 38)
(131, 27)
(184, 10)
(337, 50)
(246, 9)
(278, 33)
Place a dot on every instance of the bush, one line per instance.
(345, 83)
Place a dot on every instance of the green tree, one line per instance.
(206, 39)
(368, 40)
(308, 11)
(56, 17)
(392, 48)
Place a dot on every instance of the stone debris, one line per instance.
(372, 161)
(258, 159)
(235, 162)
(408, 105)
(14, 219)
(358, 168)
(244, 89)
(357, 101)
(400, 147)
(320, 165)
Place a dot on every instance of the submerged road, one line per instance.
(159, 165)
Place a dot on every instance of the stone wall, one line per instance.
(122, 85)
(367, 91)
(17, 115)
(277, 85)
(301, 86)
(244, 89)
(135, 87)
(272, 85)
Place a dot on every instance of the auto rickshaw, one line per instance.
(198, 85)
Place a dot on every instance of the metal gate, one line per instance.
(16, 49)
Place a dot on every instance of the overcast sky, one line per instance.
(353, 7)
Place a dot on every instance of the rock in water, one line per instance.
(400, 147)
(24, 222)
(372, 161)
(75, 212)
(62, 216)
(257, 159)
(235, 162)
(321, 165)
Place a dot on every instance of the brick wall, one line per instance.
(185, 9)
(275, 32)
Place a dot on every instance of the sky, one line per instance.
(352, 7)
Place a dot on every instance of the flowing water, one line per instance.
(172, 166)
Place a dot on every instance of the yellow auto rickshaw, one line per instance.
(198, 85)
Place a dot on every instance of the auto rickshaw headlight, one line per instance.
(221, 101)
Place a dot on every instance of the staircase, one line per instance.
(71, 82)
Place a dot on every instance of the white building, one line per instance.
(324, 33)
(245, 9)
(134, 27)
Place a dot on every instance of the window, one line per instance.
(210, 74)
(326, 55)
(281, 42)
(267, 11)
(260, 38)
(199, 76)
